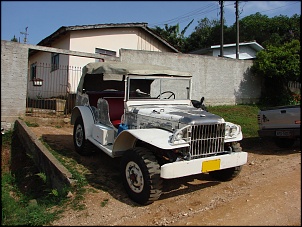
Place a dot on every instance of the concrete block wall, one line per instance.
(14, 63)
(221, 81)
(14, 77)
(57, 175)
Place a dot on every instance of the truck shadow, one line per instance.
(102, 172)
(266, 146)
(185, 185)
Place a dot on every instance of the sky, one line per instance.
(42, 18)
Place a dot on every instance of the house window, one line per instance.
(104, 52)
(33, 71)
(54, 61)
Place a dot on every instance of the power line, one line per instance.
(189, 15)
(202, 11)
(278, 7)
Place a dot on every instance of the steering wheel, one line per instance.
(165, 92)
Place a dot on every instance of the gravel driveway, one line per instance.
(267, 191)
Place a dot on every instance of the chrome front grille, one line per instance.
(207, 140)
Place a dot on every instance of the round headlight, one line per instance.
(179, 135)
(231, 130)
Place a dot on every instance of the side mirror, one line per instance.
(199, 104)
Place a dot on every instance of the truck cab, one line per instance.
(280, 123)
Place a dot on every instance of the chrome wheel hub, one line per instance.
(134, 177)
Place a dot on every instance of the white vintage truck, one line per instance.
(143, 116)
(280, 123)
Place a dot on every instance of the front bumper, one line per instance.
(201, 165)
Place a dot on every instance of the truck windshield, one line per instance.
(158, 88)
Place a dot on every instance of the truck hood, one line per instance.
(181, 113)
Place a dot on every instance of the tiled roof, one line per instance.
(65, 29)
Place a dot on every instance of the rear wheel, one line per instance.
(141, 175)
(82, 146)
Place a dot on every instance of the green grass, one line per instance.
(27, 198)
(244, 115)
(7, 139)
(104, 202)
(17, 209)
(31, 124)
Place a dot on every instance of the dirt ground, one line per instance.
(267, 191)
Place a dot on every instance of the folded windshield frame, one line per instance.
(158, 87)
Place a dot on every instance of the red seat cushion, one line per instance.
(116, 109)
(115, 102)
(116, 123)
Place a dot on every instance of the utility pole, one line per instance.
(237, 31)
(221, 24)
(25, 34)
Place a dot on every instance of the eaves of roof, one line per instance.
(65, 29)
(254, 45)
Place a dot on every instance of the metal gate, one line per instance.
(51, 90)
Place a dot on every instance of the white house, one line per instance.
(247, 50)
(106, 39)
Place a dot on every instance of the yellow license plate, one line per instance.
(211, 165)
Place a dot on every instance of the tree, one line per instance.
(172, 35)
(278, 65)
(254, 27)
(283, 29)
(206, 33)
(14, 39)
(266, 31)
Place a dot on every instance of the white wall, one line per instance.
(245, 52)
(87, 41)
(221, 81)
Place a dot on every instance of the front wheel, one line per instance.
(230, 173)
(141, 175)
(82, 146)
(226, 174)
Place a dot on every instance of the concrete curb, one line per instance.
(57, 175)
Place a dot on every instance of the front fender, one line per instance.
(156, 137)
(88, 119)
